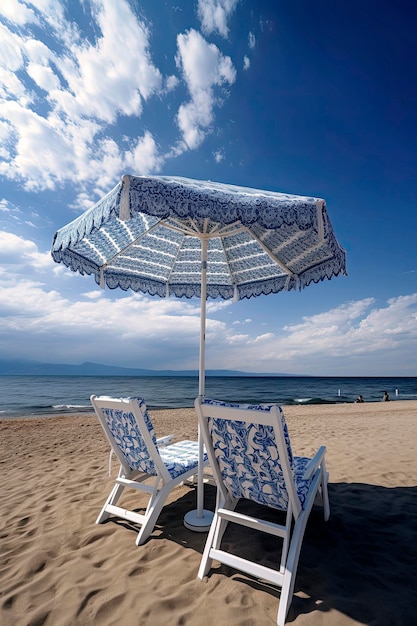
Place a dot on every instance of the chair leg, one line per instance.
(291, 568)
(286, 539)
(216, 532)
(152, 513)
(206, 561)
(113, 498)
(325, 493)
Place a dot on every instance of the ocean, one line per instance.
(54, 395)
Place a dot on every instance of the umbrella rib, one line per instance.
(225, 232)
(130, 244)
(230, 229)
(320, 205)
(232, 281)
(168, 278)
(271, 255)
(313, 249)
(181, 228)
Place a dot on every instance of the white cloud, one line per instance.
(62, 94)
(43, 154)
(171, 83)
(17, 12)
(203, 67)
(12, 218)
(52, 129)
(144, 158)
(246, 62)
(17, 253)
(5, 205)
(251, 41)
(266, 337)
(219, 155)
(246, 321)
(115, 74)
(38, 321)
(92, 295)
(340, 317)
(43, 76)
(352, 339)
(385, 336)
(214, 15)
(213, 306)
(10, 51)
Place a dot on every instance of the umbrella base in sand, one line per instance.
(199, 524)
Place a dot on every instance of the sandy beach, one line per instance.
(58, 568)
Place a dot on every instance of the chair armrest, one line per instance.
(314, 463)
(164, 441)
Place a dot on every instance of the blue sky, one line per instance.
(315, 99)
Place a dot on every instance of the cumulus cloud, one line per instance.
(17, 12)
(360, 335)
(49, 313)
(17, 254)
(43, 318)
(118, 67)
(56, 104)
(384, 336)
(214, 15)
(246, 62)
(204, 68)
(63, 93)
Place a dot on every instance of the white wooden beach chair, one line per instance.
(250, 455)
(142, 457)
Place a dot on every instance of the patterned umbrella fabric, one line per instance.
(166, 236)
(147, 234)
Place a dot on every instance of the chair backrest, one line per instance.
(250, 451)
(129, 429)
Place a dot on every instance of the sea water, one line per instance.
(54, 395)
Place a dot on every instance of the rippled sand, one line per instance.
(58, 568)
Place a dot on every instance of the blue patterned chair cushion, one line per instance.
(127, 435)
(177, 457)
(260, 407)
(249, 461)
(180, 457)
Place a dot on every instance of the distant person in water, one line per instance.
(386, 396)
(360, 398)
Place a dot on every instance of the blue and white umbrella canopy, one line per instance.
(148, 233)
(166, 236)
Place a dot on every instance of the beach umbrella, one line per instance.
(165, 236)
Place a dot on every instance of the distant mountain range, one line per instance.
(17, 367)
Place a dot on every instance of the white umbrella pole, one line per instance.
(200, 519)
(202, 373)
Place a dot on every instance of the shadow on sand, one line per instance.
(361, 563)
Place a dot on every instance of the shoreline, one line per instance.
(286, 408)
